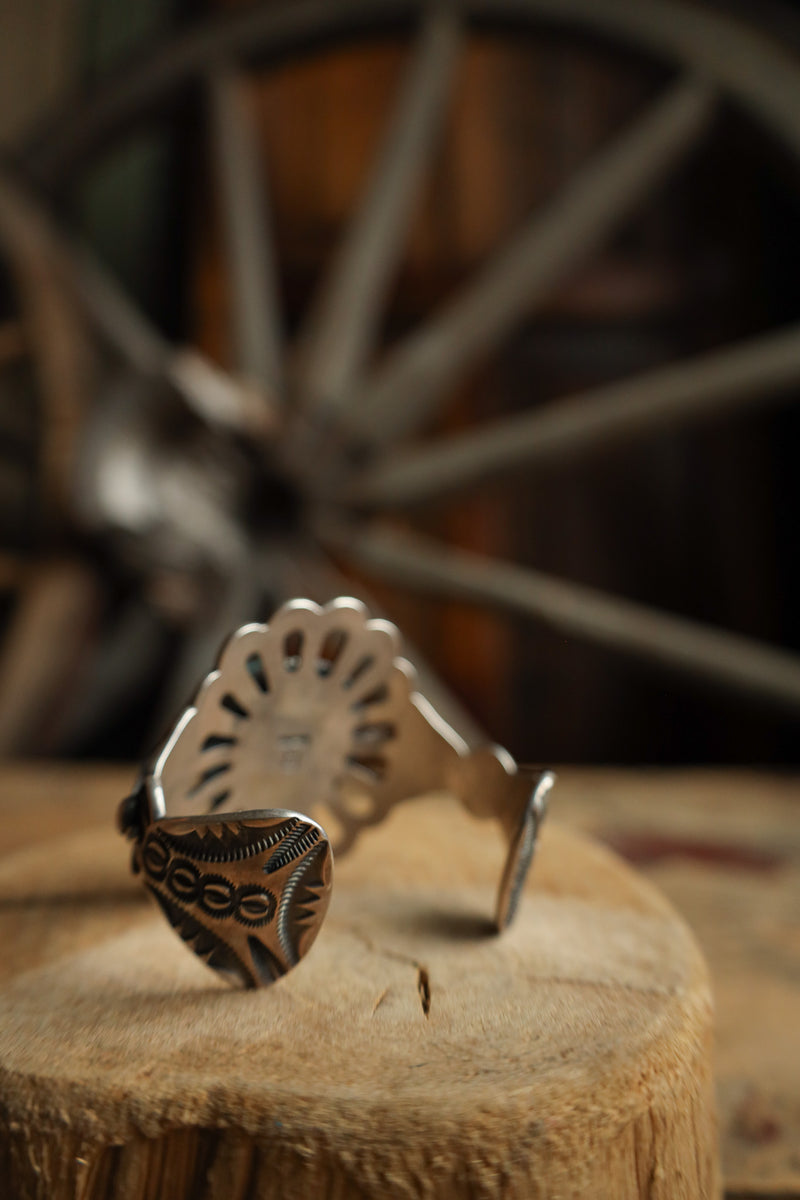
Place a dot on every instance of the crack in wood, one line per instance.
(424, 989)
(423, 975)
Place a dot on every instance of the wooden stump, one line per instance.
(412, 1054)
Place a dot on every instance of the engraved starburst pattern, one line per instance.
(304, 712)
(248, 896)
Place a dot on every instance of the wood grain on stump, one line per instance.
(412, 1054)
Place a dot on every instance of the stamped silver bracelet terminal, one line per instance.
(318, 716)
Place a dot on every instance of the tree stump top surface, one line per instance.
(410, 1045)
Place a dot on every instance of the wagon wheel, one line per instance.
(337, 421)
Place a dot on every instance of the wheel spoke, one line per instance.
(211, 393)
(41, 658)
(58, 338)
(341, 327)
(678, 644)
(763, 370)
(257, 327)
(404, 391)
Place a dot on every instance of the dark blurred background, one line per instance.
(700, 522)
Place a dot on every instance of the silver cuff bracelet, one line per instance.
(317, 715)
